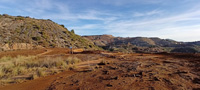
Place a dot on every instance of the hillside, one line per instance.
(17, 32)
(143, 44)
(101, 40)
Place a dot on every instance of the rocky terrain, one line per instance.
(17, 32)
(102, 70)
(143, 44)
(136, 72)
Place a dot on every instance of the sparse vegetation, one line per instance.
(142, 44)
(39, 30)
(33, 67)
(19, 18)
(185, 50)
(36, 38)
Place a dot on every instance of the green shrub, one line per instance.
(6, 15)
(62, 25)
(73, 31)
(17, 30)
(36, 38)
(36, 27)
(19, 18)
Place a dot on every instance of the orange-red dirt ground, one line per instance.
(117, 71)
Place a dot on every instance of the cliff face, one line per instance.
(17, 30)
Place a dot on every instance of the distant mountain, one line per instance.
(101, 40)
(194, 43)
(17, 32)
(143, 44)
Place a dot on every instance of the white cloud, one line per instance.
(164, 27)
(84, 27)
(183, 33)
(90, 29)
(43, 4)
(154, 12)
(124, 2)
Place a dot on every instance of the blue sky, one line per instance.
(168, 19)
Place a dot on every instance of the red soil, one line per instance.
(122, 72)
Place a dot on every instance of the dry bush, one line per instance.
(1, 71)
(52, 62)
(40, 72)
(5, 59)
(72, 60)
(33, 76)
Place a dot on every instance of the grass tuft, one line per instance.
(11, 67)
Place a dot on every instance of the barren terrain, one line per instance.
(118, 71)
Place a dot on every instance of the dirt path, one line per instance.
(38, 84)
(47, 51)
(88, 63)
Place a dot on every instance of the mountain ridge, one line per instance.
(143, 44)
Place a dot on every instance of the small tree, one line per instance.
(62, 25)
(72, 31)
(5, 15)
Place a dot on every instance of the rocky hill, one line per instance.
(143, 44)
(17, 32)
(101, 40)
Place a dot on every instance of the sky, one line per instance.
(168, 19)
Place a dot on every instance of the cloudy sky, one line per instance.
(167, 19)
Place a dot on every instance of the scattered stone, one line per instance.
(196, 80)
(156, 79)
(109, 85)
